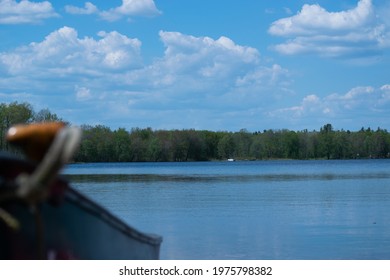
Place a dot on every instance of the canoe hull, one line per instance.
(72, 227)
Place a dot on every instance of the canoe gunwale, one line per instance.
(76, 198)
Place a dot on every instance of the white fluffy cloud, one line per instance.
(62, 52)
(199, 69)
(13, 12)
(195, 83)
(131, 8)
(88, 9)
(313, 18)
(205, 58)
(128, 9)
(202, 82)
(355, 32)
(357, 104)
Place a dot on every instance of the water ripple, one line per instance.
(102, 178)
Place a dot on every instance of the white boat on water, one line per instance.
(231, 159)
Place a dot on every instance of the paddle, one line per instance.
(52, 145)
(34, 139)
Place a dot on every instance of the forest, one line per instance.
(102, 144)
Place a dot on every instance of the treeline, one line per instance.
(102, 144)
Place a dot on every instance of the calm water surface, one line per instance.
(250, 210)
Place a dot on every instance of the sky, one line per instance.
(221, 65)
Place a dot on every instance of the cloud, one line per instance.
(355, 32)
(193, 64)
(287, 10)
(63, 53)
(12, 12)
(313, 18)
(360, 104)
(202, 72)
(128, 9)
(83, 93)
(204, 57)
(200, 81)
(131, 8)
(196, 83)
(88, 9)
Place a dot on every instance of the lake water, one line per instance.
(250, 209)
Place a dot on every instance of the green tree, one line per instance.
(122, 145)
(45, 115)
(97, 145)
(180, 145)
(226, 147)
(257, 149)
(242, 143)
(211, 140)
(307, 144)
(272, 144)
(12, 114)
(326, 140)
(140, 139)
(290, 144)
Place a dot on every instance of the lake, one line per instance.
(287, 209)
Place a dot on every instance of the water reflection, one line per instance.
(104, 178)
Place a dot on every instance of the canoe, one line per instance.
(66, 225)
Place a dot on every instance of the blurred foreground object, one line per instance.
(34, 139)
(42, 217)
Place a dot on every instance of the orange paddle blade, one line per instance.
(34, 139)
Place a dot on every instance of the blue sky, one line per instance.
(216, 65)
